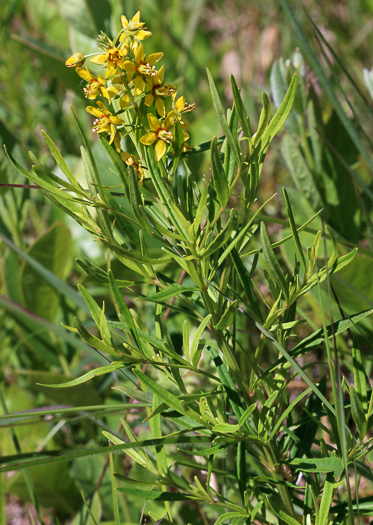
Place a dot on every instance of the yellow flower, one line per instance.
(106, 122)
(161, 133)
(157, 91)
(131, 160)
(134, 29)
(94, 86)
(141, 68)
(180, 107)
(76, 60)
(114, 58)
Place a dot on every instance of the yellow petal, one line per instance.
(139, 56)
(149, 99)
(139, 85)
(94, 111)
(160, 75)
(116, 120)
(99, 59)
(84, 73)
(159, 104)
(102, 107)
(153, 122)
(180, 103)
(160, 149)
(129, 67)
(170, 119)
(110, 70)
(148, 139)
(124, 21)
(143, 35)
(105, 93)
(136, 18)
(153, 58)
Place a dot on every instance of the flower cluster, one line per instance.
(135, 91)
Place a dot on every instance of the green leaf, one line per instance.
(86, 16)
(33, 459)
(52, 251)
(61, 163)
(358, 413)
(273, 264)
(318, 337)
(245, 279)
(195, 349)
(230, 516)
(153, 495)
(172, 291)
(360, 377)
(221, 238)
(320, 465)
(97, 314)
(86, 377)
(170, 399)
(222, 120)
(240, 108)
(227, 318)
(283, 111)
(218, 175)
(327, 85)
(294, 231)
(225, 428)
(263, 121)
(284, 517)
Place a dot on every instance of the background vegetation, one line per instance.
(323, 158)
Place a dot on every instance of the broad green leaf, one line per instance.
(52, 251)
(225, 428)
(87, 17)
(300, 171)
(321, 465)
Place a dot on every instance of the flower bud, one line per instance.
(76, 60)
